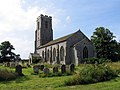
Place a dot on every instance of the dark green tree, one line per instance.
(103, 40)
(6, 51)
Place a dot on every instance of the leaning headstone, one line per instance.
(72, 67)
(36, 69)
(19, 70)
(55, 70)
(41, 67)
(46, 71)
(63, 69)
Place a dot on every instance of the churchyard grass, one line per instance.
(34, 82)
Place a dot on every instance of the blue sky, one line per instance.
(18, 19)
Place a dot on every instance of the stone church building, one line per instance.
(72, 48)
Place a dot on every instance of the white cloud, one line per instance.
(14, 18)
(22, 47)
(68, 19)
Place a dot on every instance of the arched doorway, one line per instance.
(62, 53)
(85, 52)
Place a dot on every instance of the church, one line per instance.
(72, 48)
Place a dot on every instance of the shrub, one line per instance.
(37, 60)
(92, 74)
(95, 60)
(7, 75)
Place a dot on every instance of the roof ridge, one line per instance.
(61, 39)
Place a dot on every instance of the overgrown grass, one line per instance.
(7, 75)
(92, 73)
(34, 82)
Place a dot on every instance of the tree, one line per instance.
(6, 51)
(103, 40)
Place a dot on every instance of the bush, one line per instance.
(37, 60)
(7, 75)
(95, 60)
(92, 74)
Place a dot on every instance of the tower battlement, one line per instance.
(44, 32)
(44, 16)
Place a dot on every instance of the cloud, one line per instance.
(68, 19)
(22, 47)
(17, 23)
(14, 17)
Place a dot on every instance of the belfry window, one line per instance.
(46, 24)
(38, 25)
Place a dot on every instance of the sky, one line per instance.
(18, 19)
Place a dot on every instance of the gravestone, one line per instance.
(5, 64)
(12, 65)
(55, 70)
(46, 71)
(8, 64)
(19, 70)
(36, 69)
(41, 67)
(63, 69)
(72, 67)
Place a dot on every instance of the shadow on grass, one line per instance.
(21, 79)
(18, 79)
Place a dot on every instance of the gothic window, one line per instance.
(42, 54)
(85, 52)
(48, 53)
(54, 54)
(62, 53)
(46, 24)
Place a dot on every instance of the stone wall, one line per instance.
(49, 58)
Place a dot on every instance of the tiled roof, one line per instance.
(64, 38)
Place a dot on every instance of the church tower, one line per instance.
(44, 32)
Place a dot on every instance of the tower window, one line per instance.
(46, 24)
(38, 25)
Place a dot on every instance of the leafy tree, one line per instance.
(6, 51)
(103, 40)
